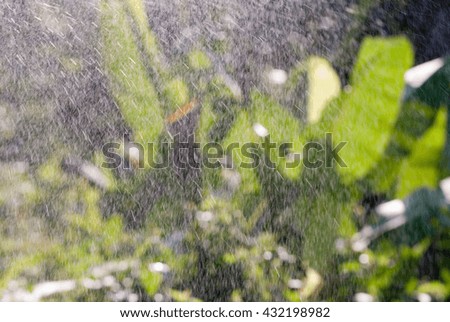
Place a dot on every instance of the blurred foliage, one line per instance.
(262, 234)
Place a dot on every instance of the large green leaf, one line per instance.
(421, 168)
(422, 100)
(370, 107)
(131, 87)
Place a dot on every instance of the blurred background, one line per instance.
(76, 75)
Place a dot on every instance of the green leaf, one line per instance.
(323, 86)
(370, 107)
(436, 289)
(422, 167)
(282, 127)
(151, 281)
(131, 87)
(417, 115)
(176, 93)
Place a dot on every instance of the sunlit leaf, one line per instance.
(369, 108)
(130, 84)
(323, 85)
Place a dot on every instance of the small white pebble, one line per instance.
(204, 216)
(121, 295)
(159, 297)
(267, 255)
(284, 255)
(260, 130)
(360, 245)
(109, 281)
(424, 297)
(364, 259)
(133, 297)
(445, 187)
(277, 76)
(91, 284)
(158, 267)
(127, 282)
(295, 284)
(363, 297)
(339, 244)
